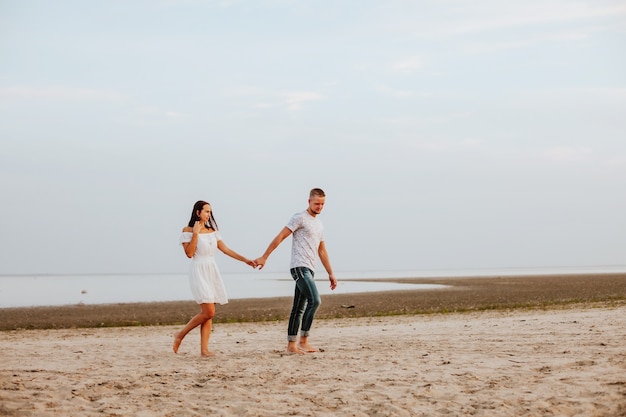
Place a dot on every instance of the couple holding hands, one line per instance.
(201, 239)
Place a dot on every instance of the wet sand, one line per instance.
(463, 294)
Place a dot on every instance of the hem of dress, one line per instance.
(212, 302)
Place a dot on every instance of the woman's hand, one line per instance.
(197, 227)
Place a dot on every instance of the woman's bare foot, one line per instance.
(177, 341)
(207, 354)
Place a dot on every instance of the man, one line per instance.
(307, 243)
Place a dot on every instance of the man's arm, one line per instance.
(273, 245)
(323, 254)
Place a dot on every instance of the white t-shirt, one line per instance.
(308, 233)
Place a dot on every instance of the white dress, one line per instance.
(205, 279)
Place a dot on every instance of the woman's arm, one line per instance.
(190, 247)
(228, 251)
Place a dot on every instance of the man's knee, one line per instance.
(315, 302)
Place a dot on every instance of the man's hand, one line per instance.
(260, 262)
(333, 282)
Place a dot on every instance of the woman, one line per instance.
(200, 240)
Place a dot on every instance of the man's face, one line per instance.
(316, 204)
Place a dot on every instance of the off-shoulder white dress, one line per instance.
(205, 279)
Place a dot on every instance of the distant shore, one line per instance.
(463, 294)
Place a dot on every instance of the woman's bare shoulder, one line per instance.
(187, 229)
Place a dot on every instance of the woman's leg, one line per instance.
(207, 312)
(205, 333)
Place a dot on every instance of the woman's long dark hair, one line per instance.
(194, 215)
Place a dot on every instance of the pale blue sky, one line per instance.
(447, 134)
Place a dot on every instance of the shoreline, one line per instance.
(463, 294)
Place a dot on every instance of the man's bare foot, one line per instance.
(308, 348)
(294, 349)
(177, 341)
(207, 354)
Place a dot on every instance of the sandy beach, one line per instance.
(540, 352)
(565, 362)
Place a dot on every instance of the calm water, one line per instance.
(41, 290)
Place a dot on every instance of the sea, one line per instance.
(26, 290)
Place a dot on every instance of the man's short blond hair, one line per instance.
(317, 192)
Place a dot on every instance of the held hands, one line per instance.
(260, 262)
(250, 262)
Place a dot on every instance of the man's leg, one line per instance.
(308, 289)
(295, 318)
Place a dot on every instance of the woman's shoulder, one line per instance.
(187, 229)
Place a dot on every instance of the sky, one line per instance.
(446, 134)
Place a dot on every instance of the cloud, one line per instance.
(383, 89)
(606, 92)
(610, 99)
(617, 162)
(445, 145)
(166, 4)
(176, 115)
(60, 94)
(155, 116)
(415, 121)
(528, 14)
(567, 153)
(490, 47)
(476, 17)
(291, 101)
(407, 65)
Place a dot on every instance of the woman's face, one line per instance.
(205, 213)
